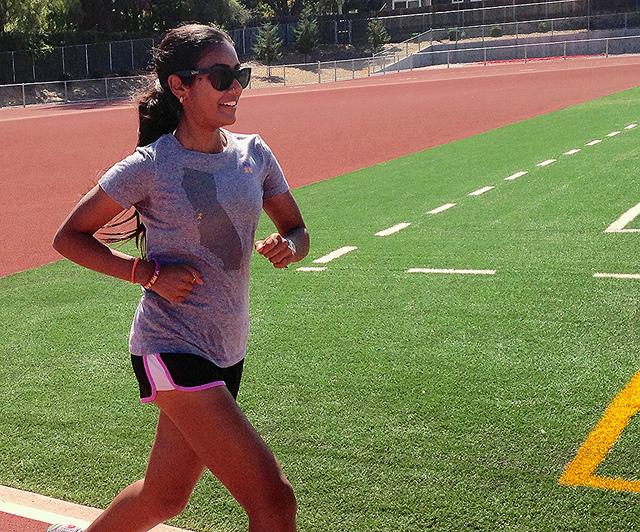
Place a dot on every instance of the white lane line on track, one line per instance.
(442, 208)
(631, 126)
(546, 163)
(311, 269)
(334, 254)
(41, 515)
(515, 176)
(593, 142)
(572, 152)
(48, 510)
(449, 271)
(394, 229)
(617, 275)
(614, 133)
(480, 191)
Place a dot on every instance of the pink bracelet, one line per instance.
(133, 270)
(154, 277)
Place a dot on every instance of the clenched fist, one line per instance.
(279, 250)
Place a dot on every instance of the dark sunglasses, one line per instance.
(220, 76)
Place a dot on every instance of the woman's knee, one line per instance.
(166, 502)
(276, 500)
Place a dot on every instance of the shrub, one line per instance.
(377, 35)
(456, 34)
(543, 27)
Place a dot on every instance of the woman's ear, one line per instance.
(177, 87)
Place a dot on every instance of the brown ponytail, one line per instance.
(159, 111)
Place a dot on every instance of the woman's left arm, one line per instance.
(291, 242)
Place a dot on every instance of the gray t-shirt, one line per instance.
(199, 209)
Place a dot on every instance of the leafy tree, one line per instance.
(268, 45)
(377, 35)
(284, 8)
(306, 31)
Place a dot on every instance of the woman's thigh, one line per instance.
(174, 468)
(226, 442)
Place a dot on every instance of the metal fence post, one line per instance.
(132, 62)
(86, 58)
(485, 56)
(353, 69)
(335, 71)
(66, 93)
(33, 65)
(284, 75)
(384, 64)
(368, 67)
(110, 59)
(525, 53)
(606, 48)
(64, 69)
(319, 74)
(565, 50)
(448, 58)
(106, 89)
(13, 65)
(24, 97)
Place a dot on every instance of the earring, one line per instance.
(181, 99)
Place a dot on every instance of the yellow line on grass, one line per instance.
(580, 472)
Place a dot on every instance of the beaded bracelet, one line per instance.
(133, 270)
(154, 277)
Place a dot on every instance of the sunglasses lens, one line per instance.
(221, 79)
(244, 76)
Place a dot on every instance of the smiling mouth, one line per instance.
(229, 105)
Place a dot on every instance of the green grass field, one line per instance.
(395, 401)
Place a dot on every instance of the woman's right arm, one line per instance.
(75, 240)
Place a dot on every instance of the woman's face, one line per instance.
(205, 105)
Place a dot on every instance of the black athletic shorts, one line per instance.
(182, 371)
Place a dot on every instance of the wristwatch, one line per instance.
(291, 245)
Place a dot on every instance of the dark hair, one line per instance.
(159, 111)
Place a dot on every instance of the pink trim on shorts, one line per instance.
(183, 388)
(154, 392)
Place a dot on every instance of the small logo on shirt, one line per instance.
(199, 216)
(247, 168)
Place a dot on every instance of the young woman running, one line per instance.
(198, 191)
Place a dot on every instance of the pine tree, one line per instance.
(306, 32)
(268, 45)
(377, 35)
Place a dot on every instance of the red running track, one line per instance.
(51, 155)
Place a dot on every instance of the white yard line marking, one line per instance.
(593, 142)
(394, 229)
(631, 126)
(546, 163)
(617, 275)
(480, 191)
(311, 269)
(572, 152)
(334, 255)
(442, 208)
(462, 272)
(619, 225)
(49, 510)
(515, 176)
(614, 133)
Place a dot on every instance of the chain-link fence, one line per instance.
(125, 58)
(328, 71)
